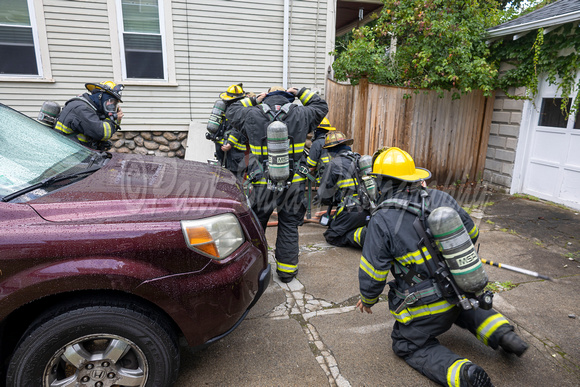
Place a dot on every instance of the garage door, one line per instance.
(551, 165)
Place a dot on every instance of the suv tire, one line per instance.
(106, 344)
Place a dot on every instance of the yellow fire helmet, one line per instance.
(233, 92)
(325, 124)
(336, 138)
(395, 162)
(108, 87)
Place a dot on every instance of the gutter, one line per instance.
(525, 27)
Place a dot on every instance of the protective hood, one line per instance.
(289, 96)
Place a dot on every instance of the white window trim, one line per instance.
(166, 26)
(37, 22)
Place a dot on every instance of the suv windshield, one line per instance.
(31, 152)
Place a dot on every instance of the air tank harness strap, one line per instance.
(413, 297)
(274, 116)
(407, 274)
(401, 204)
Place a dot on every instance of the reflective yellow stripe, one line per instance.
(454, 373)
(489, 326)
(81, 137)
(260, 182)
(414, 257)
(247, 102)
(378, 275)
(357, 235)
(285, 267)
(325, 159)
(297, 178)
(424, 310)
(60, 126)
(369, 301)
(257, 150)
(311, 162)
(474, 232)
(236, 143)
(346, 183)
(107, 131)
(306, 96)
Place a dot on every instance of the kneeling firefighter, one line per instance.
(317, 157)
(276, 129)
(433, 287)
(342, 184)
(91, 119)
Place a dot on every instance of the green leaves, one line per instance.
(553, 57)
(439, 46)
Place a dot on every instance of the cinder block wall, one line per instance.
(503, 138)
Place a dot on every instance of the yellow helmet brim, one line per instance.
(420, 174)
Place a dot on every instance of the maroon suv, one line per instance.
(107, 261)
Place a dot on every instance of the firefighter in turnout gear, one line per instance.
(230, 143)
(341, 185)
(415, 297)
(92, 118)
(317, 158)
(256, 116)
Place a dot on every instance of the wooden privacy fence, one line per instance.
(448, 137)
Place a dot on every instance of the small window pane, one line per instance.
(17, 51)
(141, 16)
(577, 122)
(14, 12)
(550, 113)
(143, 56)
(142, 39)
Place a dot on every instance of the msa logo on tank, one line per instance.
(457, 249)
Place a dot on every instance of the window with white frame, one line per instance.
(18, 43)
(142, 39)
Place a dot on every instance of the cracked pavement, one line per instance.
(308, 333)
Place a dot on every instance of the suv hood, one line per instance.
(141, 188)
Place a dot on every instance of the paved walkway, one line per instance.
(308, 333)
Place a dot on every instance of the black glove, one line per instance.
(104, 145)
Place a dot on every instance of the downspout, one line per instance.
(285, 54)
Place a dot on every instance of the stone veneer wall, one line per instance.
(503, 139)
(165, 144)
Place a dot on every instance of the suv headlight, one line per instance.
(216, 237)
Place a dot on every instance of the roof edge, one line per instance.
(555, 20)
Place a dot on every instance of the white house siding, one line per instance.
(216, 43)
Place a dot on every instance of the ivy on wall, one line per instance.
(554, 56)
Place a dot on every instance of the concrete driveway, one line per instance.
(307, 332)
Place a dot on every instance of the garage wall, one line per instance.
(503, 138)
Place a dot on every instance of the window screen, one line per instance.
(17, 48)
(142, 39)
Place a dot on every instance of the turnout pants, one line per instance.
(348, 227)
(416, 342)
(291, 210)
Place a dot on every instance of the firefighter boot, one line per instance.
(512, 343)
(474, 376)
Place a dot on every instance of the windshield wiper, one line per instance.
(47, 182)
(98, 157)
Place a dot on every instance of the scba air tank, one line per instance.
(48, 113)
(216, 116)
(365, 164)
(278, 152)
(457, 249)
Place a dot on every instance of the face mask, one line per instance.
(111, 105)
